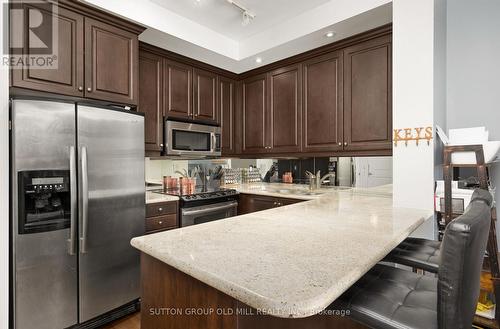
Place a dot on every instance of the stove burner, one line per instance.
(210, 196)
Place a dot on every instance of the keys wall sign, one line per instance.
(413, 134)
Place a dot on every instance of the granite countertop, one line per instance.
(152, 197)
(291, 261)
(301, 191)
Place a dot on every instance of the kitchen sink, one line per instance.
(305, 191)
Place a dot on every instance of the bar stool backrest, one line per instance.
(462, 253)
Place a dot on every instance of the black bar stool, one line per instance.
(389, 297)
(423, 253)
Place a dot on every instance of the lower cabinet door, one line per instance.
(249, 203)
(160, 223)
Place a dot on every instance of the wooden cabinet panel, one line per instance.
(226, 109)
(161, 216)
(178, 85)
(163, 208)
(255, 115)
(368, 95)
(285, 106)
(111, 57)
(205, 96)
(161, 223)
(323, 103)
(67, 78)
(249, 203)
(151, 100)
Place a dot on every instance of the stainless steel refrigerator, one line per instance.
(77, 200)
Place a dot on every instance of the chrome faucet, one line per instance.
(315, 181)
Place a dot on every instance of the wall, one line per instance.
(414, 103)
(4, 182)
(440, 21)
(473, 48)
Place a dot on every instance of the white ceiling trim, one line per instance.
(318, 18)
(154, 16)
(176, 33)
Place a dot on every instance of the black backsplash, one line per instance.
(298, 167)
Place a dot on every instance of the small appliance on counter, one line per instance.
(272, 174)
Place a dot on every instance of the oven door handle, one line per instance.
(208, 210)
(213, 142)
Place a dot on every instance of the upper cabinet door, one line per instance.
(205, 96)
(151, 100)
(323, 107)
(67, 78)
(111, 57)
(178, 86)
(285, 88)
(368, 95)
(226, 101)
(255, 115)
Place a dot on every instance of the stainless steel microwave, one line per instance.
(183, 138)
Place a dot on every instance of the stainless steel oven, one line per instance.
(183, 138)
(208, 212)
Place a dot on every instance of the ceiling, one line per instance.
(224, 18)
(211, 31)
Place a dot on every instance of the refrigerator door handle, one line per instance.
(72, 183)
(85, 201)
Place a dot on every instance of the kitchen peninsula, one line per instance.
(290, 262)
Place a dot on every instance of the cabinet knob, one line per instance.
(161, 145)
(345, 143)
(89, 89)
(340, 143)
(160, 222)
(196, 115)
(160, 209)
(80, 88)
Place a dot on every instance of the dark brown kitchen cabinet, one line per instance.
(67, 77)
(323, 103)
(368, 95)
(162, 216)
(285, 106)
(97, 54)
(177, 79)
(151, 100)
(205, 96)
(249, 203)
(111, 57)
(256, 122)
(226, 109)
